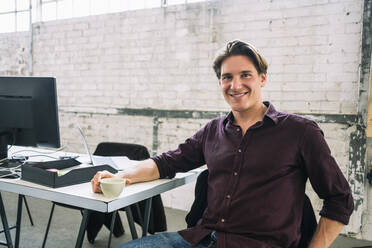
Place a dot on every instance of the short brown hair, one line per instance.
(237, 47)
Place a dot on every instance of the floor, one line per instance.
(65, 225)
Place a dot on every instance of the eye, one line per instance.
(245, 75)
(226, 78)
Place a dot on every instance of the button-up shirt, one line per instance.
(256, 182)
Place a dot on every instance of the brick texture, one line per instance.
(161, 58)
(14, 54)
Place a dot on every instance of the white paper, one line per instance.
(123, 162)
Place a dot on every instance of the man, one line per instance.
(258, 160)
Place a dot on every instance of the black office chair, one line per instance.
(112, 220)
(308, 224)
(157, 221)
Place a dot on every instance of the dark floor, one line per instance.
(65, 226)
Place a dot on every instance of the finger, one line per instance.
(106, 174)
(96, 182)
(97, 176)
(94, 185)
(98, 189)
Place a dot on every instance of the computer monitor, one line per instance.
(28, 112)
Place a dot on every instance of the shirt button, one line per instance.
(235, 173)
(238, 129)
(222, 220)
(240, 150)
(228, 196)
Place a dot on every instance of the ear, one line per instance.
(263, 79)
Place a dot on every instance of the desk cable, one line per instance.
(48, 152)
(12, 171)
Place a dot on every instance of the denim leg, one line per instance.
(161, 240)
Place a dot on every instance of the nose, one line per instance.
(236, 84)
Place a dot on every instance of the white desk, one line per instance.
(81, 195)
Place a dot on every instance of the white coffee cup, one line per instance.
(112, 186)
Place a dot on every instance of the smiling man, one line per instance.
(259, 160)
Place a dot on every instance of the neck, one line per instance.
(249, 117)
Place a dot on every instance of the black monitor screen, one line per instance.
(28, 112)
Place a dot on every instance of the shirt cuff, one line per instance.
(164, 171)
(338, 213)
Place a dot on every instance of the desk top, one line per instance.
(81, 195)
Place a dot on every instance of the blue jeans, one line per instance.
(161, 240)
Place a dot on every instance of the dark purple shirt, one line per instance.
(256, 182)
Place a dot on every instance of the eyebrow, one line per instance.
(248, 71)
(226, 74)
(229, 74)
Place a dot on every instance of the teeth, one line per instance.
(238, 95)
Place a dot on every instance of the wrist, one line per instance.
(119, 174)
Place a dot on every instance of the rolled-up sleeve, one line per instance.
(325, 176)
(189, 155)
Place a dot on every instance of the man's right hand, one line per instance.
(96, 181)
(142, 172)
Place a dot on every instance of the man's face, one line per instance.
(241, 84)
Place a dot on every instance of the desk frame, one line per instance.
(22, 188)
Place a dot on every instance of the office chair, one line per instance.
(157, 221)
(112, 220)
(133, 152)
(308, 224)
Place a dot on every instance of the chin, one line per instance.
(239, 109)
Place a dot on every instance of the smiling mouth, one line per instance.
(238, 95)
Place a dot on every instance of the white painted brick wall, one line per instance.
(14, 54)
(161, 58)
(100, 128)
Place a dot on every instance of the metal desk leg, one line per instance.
(28, 210)
(5, 223)
(146, 219)
(132, 227)
(19, 218)
(138, 210)
(83, 227)
(112, 227)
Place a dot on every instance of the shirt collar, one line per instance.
(270, 113)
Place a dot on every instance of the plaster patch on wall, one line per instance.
(14, 54)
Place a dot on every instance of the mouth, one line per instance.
(236, 95)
